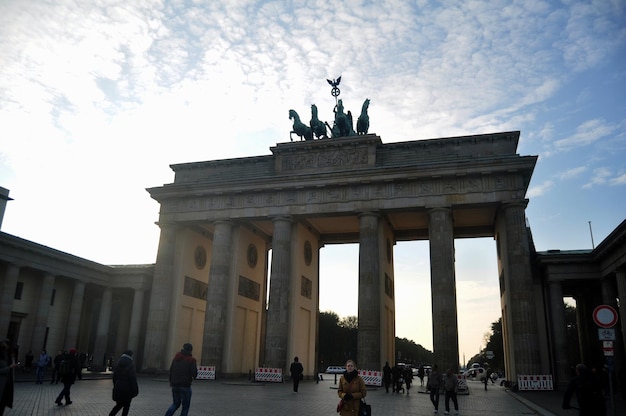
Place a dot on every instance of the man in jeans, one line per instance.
(182, 372)
(434, 386)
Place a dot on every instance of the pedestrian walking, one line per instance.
(296, 371)
(588, 392)
(6, 376)
(420, 374)
(42, 363)
(182, 372)
(56, 374)
(408, 377)
(451, 388)
(125, 386)
(387, 376)
(68, 369)
(434, 386)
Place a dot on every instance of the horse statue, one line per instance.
(363, 122)
(343, 123)
(319, 128)
(301, 129)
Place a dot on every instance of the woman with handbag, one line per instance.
(351, 390)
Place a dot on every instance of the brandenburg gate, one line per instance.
(219, 220)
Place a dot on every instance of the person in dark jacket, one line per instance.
(434, 386)
(69, 370)
(296, 371)
(387, 376)
(124, 384)
(56, 374)
(588, 393)
(182, 372)
(6, 376)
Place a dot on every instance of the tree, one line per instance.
(409, 352)
(338, 343)
(493, 342)
(337, 339)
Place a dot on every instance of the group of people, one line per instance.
(585, 386)
(448, 383)
(396, 376)
(183, 370)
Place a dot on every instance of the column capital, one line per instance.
(443, 208)
(286, 218)
(226, 222)
(167, 225)
(370, 213)
(520, 203)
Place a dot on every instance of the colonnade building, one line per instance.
(237, 268)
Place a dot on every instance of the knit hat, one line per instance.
(72, 350)
(187, 347)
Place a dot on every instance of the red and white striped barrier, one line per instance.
(371, 378)
(206, 373)
(535, 382)
(462, 383)
(275, 375)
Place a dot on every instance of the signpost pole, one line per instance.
(606, 317)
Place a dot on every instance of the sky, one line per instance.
(99, 98)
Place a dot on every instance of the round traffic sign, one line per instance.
(605, 316)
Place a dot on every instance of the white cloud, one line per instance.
(618, 180)
(588, 132)
(573, 172)
(541, 189)
(600, 177)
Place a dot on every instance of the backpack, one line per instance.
(65, 368)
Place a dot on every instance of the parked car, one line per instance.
(476, 373)
(335, 369)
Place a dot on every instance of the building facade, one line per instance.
(237, 269)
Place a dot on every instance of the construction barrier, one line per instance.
(371, 378)
(206, 373)
(275, 375)
(535, 382)
(462, 383)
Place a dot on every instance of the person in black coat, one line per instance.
(124, 383)
(6, 376)
(296, 371)
(69, 369)
(588, 393)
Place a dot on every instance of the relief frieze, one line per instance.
(325, 159)
(342, 193)
(473, 185)
(450, 186)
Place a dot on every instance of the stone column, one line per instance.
(610, 294)
(524, 332)
(368, 335)
(6, 298)
(620, 278)
(73, 320)
(43, 310)
(102, 332)
(559, 334)
(160, 302)
(443, 288)
(135, 320)
(217, 296)
(279, 305)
